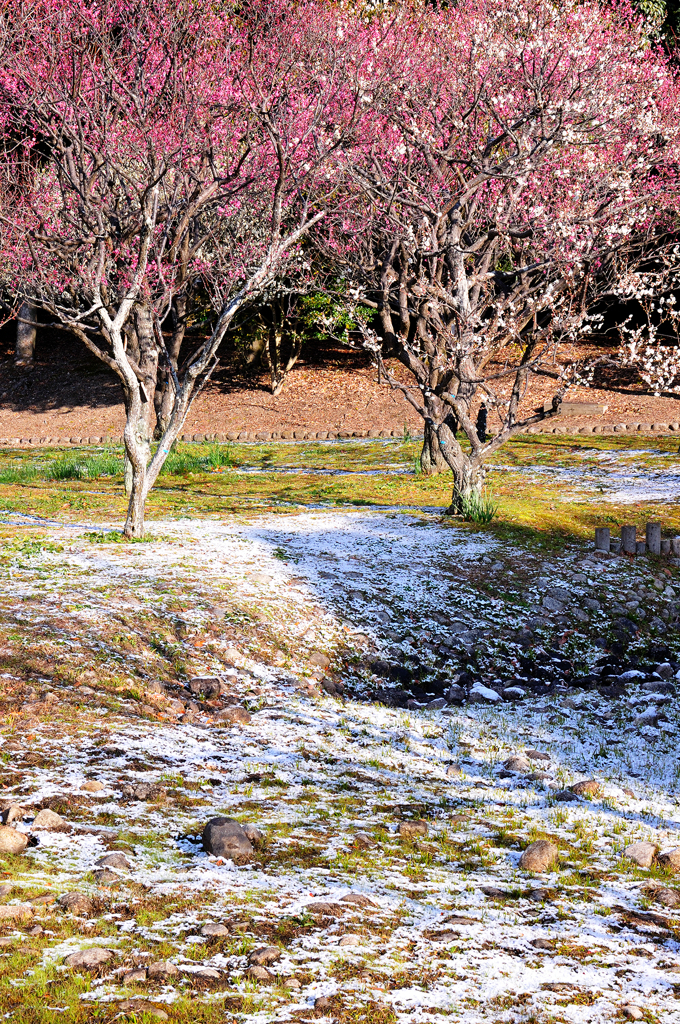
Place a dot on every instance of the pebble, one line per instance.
(224, 837)
(141, 1006)
(77, 902)
(92, 787)
(564, 796)
(90, 958)
(136, 977)
(365, 841)
(537, 755)
(358, 899)
(349, 940)
(259, 974)
(234, 716)
(517, 763)
(642, 853)
(539, 856)
(12, 841)
(632, 1012)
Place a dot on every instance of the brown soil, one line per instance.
(69, 393)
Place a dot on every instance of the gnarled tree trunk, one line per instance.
(165, 391)
(139, 424)
(27, 318)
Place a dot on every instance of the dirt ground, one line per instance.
(330, 390)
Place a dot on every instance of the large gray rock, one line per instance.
(77, 903)
(642, 853)
(539, 856)
(114, 860)
(12, 841)
(49, 821)
(224, 837)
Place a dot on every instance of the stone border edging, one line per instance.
(340, 435)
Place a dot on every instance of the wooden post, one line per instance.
(654, 538)
(628, 540)
(602, 538)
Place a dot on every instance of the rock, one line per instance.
(517, 763)
(37, 929)
(252, 831)
(12, 813)
(590, 787)
(234, 716)
(141, 1007)
(539, 856)
(411, 829)
(161, 970)
(632, 1012)
(663, 894)
(455, 693)
(538, 776)
(139, 790)
(260, 974)
(480, 694)
(214, 931)
(92, 786)
(175, 707)
(358, 899)
(319, 659)
(48, 821)
(670, 859)
(592, 604)
(206, 973)
(135, 977)
(657, 624)
(325, 909)
(114, 860)
(364, 841)
(552, 605)
(642, 853)
(453, 771)
(224, 837)
(292, 983)
(265, 955)
(665, 670)
(545, 944)
(205, 686)
(105, 877)
(658, 686)
(16, 912)
(437, 704)
(648, 717)
(323, 1003)
(493, 892)
(349, 940)
(77, 903)
(537, 755)
(12, 841)
(513, 693)
(564, 796)
(90, 959)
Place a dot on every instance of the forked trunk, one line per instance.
(165, 389)
(431, 459)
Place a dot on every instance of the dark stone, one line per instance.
(205, 686)
(224, 837)
(400, 674)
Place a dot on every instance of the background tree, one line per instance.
(184, 147)
(523, 156)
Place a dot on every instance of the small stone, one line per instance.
(545, 944)
(364, 841)
(252, 831)
(642, 853)
(670, 859)
(36, 930)
(12, 841)
(234, 716)
(539, 856)
(49, 821)
(453, 771)
(437, 704)
(92, 786)
(514, 693)
(265, 955)
(206, 973)
(319, 659)
(411, 829)
(77, 903)
(292, 983)
(214, 931)
(665, 670)
(590, 787)
(205, 686)
(663, 894)
(349, 940)
(90, 959)
(322, 908)
(141, 1007)
(517, 763)
(564, 796)
(105, 877)
(114, 860)
(537, 755)
(358, 899)
(323, 1003)
(260, 974)
(136, 977)
(16, 912)
(632, 1012)
(455, 693)
(224, 837)
(161, 970)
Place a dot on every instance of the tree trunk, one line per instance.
(468, 481)
(432, 459)
(27, 319)
(165, 391)
(139, 425)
